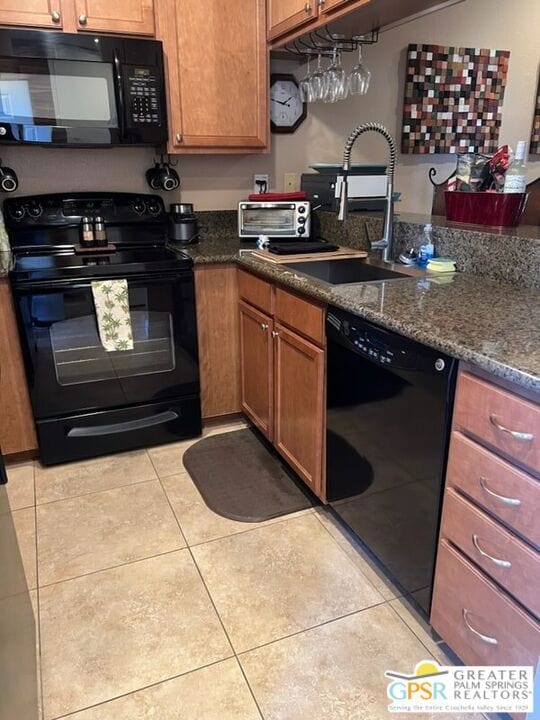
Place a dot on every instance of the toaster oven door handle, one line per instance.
(128, 426)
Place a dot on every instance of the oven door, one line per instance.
(68, 369)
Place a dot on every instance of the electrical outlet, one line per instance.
(257, 179)
(289, 182)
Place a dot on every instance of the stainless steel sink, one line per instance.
(339, 272)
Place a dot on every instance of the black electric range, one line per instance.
(88, 400)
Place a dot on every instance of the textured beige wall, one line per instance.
(218, 182)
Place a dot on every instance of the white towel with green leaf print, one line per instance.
(111, 299)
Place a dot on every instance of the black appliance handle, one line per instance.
(119, 84)
(3, 473)
(128, 426)
(77, 284)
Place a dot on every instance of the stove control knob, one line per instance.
(153, 207)
(34, 210)
(139, 206)
(17, 212)
(440, 364)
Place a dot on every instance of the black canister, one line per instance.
(183, 226)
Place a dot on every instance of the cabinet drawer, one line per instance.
(500, 554)
(301, 315)
(256, 291)
(499, 418)
(477, 620)
(506, 492)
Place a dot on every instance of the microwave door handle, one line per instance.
(119, 93)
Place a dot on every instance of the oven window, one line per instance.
(57, 93)
(79, 356)
(268, 219)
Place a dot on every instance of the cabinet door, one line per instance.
(216, 288)
(299, 399)
(17, 431)
(217, 73)
(256, 360)
(32, 13)
(135, 17)
(286, 15)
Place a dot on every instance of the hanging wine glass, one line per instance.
(359, 77)
(342, 89)
(306, 91)
(334, 77)
(317, 80)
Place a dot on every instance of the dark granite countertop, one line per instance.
(490, 323)
(493, 325)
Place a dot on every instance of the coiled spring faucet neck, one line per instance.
(385, 243)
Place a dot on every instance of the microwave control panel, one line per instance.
(143, 97)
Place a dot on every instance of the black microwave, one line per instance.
(80, 90)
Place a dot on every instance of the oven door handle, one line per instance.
(130, 425)
(80, 284)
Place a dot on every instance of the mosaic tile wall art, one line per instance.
(453, 99)
(534, 147)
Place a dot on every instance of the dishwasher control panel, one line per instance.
(375, 346)
(384, 347)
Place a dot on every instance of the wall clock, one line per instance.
(287, 111)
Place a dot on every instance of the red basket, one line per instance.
(485, 208)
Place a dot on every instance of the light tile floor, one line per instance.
(152, 607)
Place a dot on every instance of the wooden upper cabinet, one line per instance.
(286, 15)
(256, 353)
(299, 400)
(135, 17)
(31, 13)
(217, 67)
(329, 5)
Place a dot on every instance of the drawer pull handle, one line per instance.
(485, 638)
(514, 433)
(500, 498)
(500, 563)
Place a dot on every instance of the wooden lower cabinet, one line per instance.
(487, 579)
(216, 290)
(282, 360)
(478, 622)
(257, 367)
(299, 405)
(17, 430)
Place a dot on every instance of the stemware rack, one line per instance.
(323, 42)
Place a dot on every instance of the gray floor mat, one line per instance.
(241, 479)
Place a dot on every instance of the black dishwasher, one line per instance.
(389, 404)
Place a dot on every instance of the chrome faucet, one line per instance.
(385, 243)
